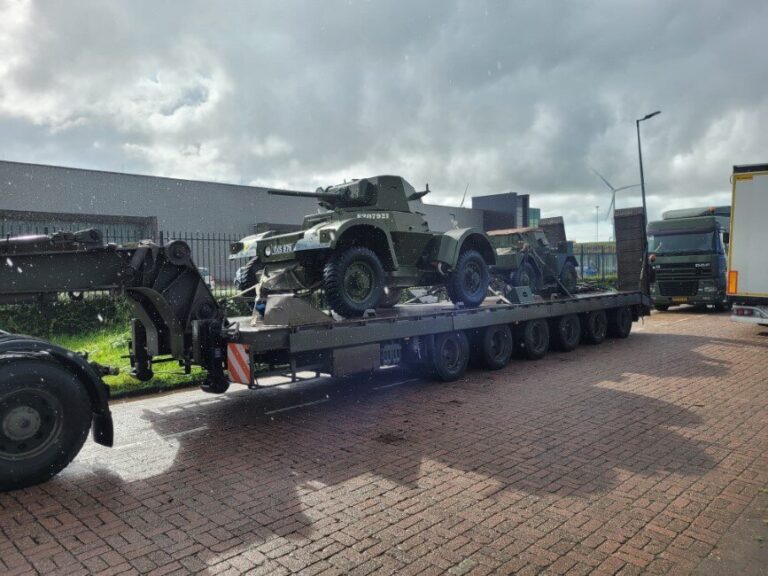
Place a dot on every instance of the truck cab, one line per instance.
(687, 252)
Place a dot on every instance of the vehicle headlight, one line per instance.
(268, 251)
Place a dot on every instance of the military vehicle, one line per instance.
(687, 252)
(366, 248)
(524, 257)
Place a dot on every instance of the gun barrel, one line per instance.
(292, 193)
(300, 194)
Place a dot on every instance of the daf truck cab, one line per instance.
(687, 250)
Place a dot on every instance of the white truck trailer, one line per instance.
(748, 262)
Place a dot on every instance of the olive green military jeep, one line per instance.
(524, 257)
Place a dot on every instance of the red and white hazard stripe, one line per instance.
(237, 363)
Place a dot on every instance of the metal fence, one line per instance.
(209, 251)
(596, 262)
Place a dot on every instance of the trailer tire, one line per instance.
(534, 339)
(594, 327)
(356, 268)
(620, 322)
(469, 280)
(449, 355)
(495, 346)
(45, 415)
(566, 332)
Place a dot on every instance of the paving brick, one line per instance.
(631, 457)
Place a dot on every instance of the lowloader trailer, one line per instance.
(51, 397)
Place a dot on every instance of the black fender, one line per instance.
(11, 345)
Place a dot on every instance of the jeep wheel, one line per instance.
(353, 281)
(568, 277)
(525, 276)
(468, 282)
(661, 307)
(45, 415)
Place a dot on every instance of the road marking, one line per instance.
(297, 406)
(395, 384)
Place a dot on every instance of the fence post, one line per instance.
(602, 263)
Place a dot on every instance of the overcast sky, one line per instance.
(503, 96)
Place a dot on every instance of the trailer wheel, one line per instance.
(534, 340)
(594, 327)
(45, 415)
(620, 322)
(449, 355)
(566, 332)
(496, 346)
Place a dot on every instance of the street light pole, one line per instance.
(640, 156)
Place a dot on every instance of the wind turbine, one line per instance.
(613, 192)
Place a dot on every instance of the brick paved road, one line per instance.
(635, 456)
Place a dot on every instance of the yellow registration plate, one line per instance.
(679, 299)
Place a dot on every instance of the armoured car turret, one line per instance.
(367, 247)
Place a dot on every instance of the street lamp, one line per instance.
(640, 155)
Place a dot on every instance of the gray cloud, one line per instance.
(525, 96)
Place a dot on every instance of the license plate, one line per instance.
(679, 299)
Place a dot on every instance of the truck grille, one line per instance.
(678, 288)
(682, 272)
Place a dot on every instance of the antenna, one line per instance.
(464, 197)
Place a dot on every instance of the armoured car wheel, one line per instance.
(567, 332)
(661, 307)
(468, 282)
(525, 276)
(45, 415)
(450, 355)
(247, 278)
(568, 277)
(620, 322)
(390, 298)
(495, 346)
(354, 281)
(594, 327)
(534, 340)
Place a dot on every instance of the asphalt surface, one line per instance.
(645, 455)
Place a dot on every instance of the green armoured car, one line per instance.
(366, 248)
(524, 257)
